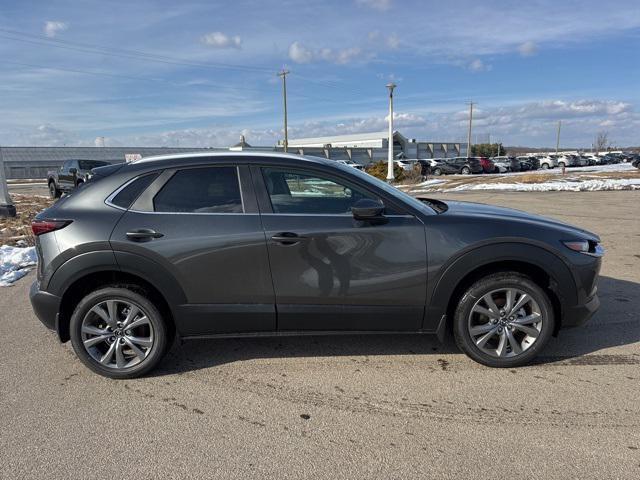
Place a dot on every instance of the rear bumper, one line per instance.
(579, 314)
(45, 305)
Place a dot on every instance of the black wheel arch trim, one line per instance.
(124, 262)
(477, 256)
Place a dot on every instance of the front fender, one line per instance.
(454, 271)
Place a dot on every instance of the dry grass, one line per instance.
(18, 230)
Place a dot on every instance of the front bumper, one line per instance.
(579, 314)
(45, 305)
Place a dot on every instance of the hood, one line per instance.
(482, 210)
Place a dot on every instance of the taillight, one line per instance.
(45, 226)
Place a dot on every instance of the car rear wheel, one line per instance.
(118, 333)
(544, 166)
(437, 172)
(562, 164)
(53, 191)
(503, 320)
(465, 170)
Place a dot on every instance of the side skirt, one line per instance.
(305, 333)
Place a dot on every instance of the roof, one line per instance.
(227, 153)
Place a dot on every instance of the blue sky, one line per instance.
(200, 73)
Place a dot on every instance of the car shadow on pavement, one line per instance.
(615, 324)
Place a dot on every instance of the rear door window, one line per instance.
(201, 190)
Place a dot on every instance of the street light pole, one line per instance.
(390, 175)
(558, 137)
(7, 209)
(469, 133)
(283, 74)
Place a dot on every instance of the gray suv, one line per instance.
(237, 244)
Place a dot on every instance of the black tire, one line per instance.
(437, 172)
(465, 171)
(492, 283)
(544, 166)
(562, 165)
(162, 334)
(53, 191)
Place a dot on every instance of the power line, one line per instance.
(122, 53)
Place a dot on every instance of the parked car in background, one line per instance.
(487, 165)
(566, 161)
(533, 162)
(636, 161)
(257, 244)
(70, 175)
(350, 163)
(404, 164)
(503, 164)
(506, 162)
(547, 161)
(465, 165)
(442, 167)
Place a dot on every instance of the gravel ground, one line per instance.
(343, 407)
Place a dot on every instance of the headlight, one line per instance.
(588, 247)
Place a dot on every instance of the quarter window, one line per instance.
(293, 192)
(201, 190)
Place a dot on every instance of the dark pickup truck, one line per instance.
(71, 174)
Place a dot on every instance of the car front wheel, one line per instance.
(503, 320)
(118, 333)
(465, 170)
(437, 172)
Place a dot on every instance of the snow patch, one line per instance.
(15, 263)
(556, 186)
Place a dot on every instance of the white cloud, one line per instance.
(478, 65)
(301, 54)
(393, 41)
(52, 28)
(381, 5)
(221, 40)
(527, 49)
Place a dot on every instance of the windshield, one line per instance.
(414, 202)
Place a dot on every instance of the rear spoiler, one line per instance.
(107, 170)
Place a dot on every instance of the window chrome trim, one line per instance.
(110, 198)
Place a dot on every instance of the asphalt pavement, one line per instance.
(343, 407)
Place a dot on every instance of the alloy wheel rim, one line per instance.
(505, 323)
(117, 334)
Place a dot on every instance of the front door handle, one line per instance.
(288, 238)
(143, 234)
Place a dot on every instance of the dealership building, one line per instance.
(363, 148)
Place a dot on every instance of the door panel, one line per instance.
(219, 259)
(347, 275)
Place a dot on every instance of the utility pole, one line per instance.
(7, 209)
(390, 176)
(558, 137)
(283, 74)
(469, 134)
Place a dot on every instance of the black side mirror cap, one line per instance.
(367, 209)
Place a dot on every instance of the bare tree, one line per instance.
(602, 141)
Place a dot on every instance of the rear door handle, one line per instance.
(288, 238)
(143, 234)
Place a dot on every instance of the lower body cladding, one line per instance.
(231, 320)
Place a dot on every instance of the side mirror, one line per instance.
(367, 209)
(73, 170)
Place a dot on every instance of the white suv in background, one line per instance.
(547, 161)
